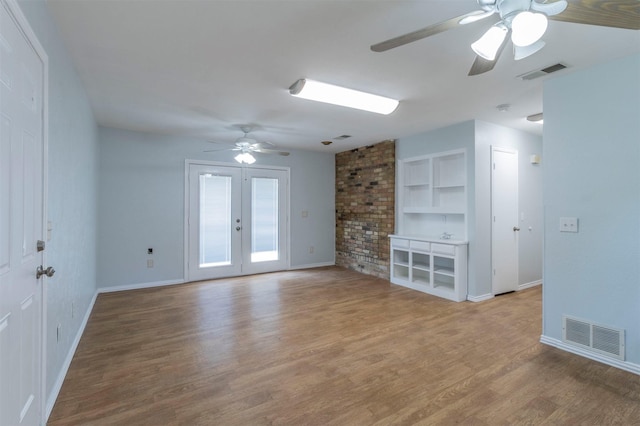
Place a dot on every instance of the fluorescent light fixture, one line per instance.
(528, 27)
(328, 93)
(488, 45)
(245, 157)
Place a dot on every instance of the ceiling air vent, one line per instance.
(541, 73)
(593, 337)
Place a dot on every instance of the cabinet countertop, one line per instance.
(430, 239)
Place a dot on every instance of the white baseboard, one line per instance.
(312, 265)
(480, 298)
(529, 285)
(53, 396)
(623, 365)
(139, 286)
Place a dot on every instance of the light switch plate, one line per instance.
(568, 224)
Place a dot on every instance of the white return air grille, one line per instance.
(593, 337)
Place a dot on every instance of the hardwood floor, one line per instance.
(329, 347)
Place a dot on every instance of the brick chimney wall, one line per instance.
(365, 200)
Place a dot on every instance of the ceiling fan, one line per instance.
(526, 22)
(247, 146)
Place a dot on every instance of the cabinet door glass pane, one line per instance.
(264, 219)
(215, 220)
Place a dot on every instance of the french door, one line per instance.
(237, 221)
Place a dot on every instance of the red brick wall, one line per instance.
(365, 199)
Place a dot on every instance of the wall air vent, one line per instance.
(341, 137)
(593, 337)
(541, 73)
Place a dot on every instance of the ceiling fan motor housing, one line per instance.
(506, 7)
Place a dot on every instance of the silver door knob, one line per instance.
(515, 228)
(237, 228)
(48, 272)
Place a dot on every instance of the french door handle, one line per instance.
(515, 228)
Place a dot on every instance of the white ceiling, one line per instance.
(202, 68)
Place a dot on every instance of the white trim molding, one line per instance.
(139, 286)
(480, 298)
(312, 265)
(623, 365)
(53, 396)
(529, 285)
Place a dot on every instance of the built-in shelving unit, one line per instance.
(429, 250)
(432, 196)
(438, 268)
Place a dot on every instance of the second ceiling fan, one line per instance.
(526, 22)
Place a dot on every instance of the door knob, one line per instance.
(48, 272)
(515, 228)
(237, 228)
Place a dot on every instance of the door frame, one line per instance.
(188, 163)
(514, 152)
(12, 7)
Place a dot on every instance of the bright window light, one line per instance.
(245, 157)
(328, 93)
(488, 45)
(528, 27)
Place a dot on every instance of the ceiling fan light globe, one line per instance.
(524, 52)
(245, 157)
(488, 45)
(528, 27)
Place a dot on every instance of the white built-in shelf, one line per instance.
(430, 265)
(430, 187)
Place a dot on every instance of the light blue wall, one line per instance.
(477, 137)
(142, 204)
(72, 202)
(529, 202)
(592, 171)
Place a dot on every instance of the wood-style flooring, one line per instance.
(329, 346)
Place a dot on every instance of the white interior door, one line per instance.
(22, 95)
(504, 231)
(237, 221)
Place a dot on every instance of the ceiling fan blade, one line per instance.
(481, 65)
(475, 18)
(604, 13)
(271, 151)
(549, 9)
(423, 33)
(223, 149)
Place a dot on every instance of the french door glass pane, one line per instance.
(264, 219)
(215, 220)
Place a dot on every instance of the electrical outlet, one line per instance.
(311, 249)
(150, 250)
(568, 224)
(149, 263)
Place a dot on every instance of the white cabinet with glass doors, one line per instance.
(433, 267)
